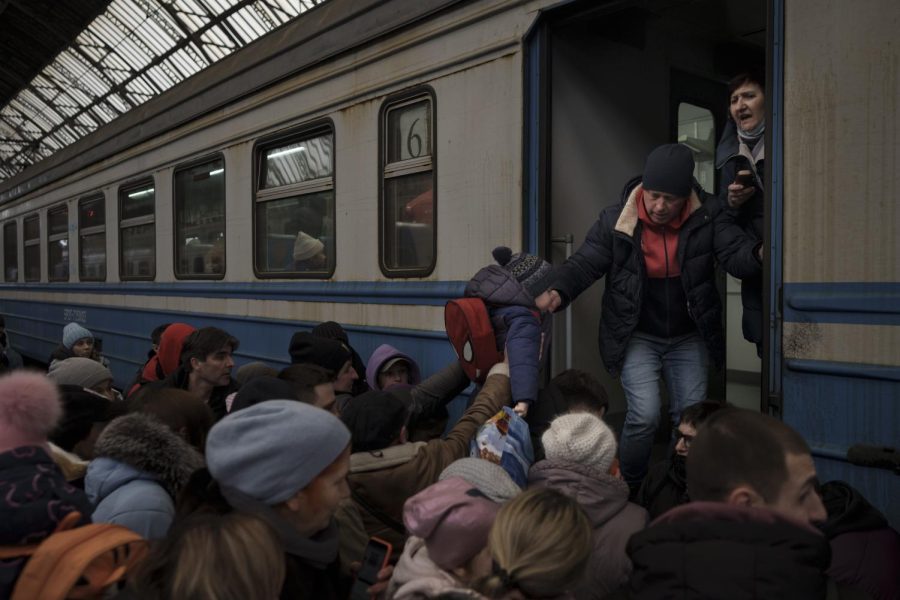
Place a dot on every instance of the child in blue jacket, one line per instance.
(516, 294)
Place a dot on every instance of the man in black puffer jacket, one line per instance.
(661, 312)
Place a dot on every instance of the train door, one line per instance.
(616, 83)
(835, 186)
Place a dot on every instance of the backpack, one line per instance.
(469, 329)
(76, 562)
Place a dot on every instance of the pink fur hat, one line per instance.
(30, 408)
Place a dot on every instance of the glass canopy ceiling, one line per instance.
(132, 52)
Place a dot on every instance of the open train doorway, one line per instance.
(616, 80)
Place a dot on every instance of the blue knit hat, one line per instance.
(272, 450)
(74, 332)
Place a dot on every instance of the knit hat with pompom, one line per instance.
(533, 272)
(30, 408)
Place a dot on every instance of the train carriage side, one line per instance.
(395, 116)
(836, 187)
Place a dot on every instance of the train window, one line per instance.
(200, 220)
(32, 242)
(295, 206)
(697, 130)
(58, 243)
(407, 232)
(10, 252)
(137, 231)
(92, 238)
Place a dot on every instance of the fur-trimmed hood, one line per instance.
(628, 219)
(137, 446)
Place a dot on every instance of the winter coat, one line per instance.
(9, 358)
(714, 550)
(180, 379)
(739, 232)
(612, 248)
(140, 468)
(865, 550)
(428, 402)
(34, 498)
(62, 353)
(519, 328)
(664, 487)
(381, 481)
(384, 353)
(312, 564)
(416, 577)
(604, 499)
(166, 361)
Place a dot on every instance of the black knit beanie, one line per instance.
(669, 169)
(308, 348)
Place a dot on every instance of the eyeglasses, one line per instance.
(683, 436)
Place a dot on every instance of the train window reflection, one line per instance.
(200, 220)
(32, 243)
(697, 130)
(408, 199)
(137, 231)
(295, 206)
(58, 243)
(10, 252)
(92, 239)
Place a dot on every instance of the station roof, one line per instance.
(67, 68)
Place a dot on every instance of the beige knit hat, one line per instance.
(580, 438)
(306, 246)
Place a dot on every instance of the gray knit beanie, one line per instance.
(272, 450)
(580, 438)
(74, 332)
(83, 372)
(489, 478)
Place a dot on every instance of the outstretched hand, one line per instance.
(377, 589)
(738, 194)
(521, 409)
(552, 301)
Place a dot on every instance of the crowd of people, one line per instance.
(258, 483)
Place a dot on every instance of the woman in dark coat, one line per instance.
(739, 226)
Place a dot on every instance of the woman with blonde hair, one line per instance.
(539, 546)
(213, 557)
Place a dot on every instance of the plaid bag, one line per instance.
(504, 439)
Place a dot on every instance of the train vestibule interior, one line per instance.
(619, 79)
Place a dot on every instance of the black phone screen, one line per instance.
(373, 561)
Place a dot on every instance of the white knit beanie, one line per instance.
(306, 246)
(580, 438)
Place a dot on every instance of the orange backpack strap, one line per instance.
(80, 563)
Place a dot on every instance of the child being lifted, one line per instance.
(516, 295)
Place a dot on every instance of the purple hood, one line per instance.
(384, 353)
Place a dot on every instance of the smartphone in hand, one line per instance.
(376, 557)
(744, 178)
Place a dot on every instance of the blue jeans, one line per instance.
(683, 361)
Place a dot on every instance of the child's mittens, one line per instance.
(521, 409)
